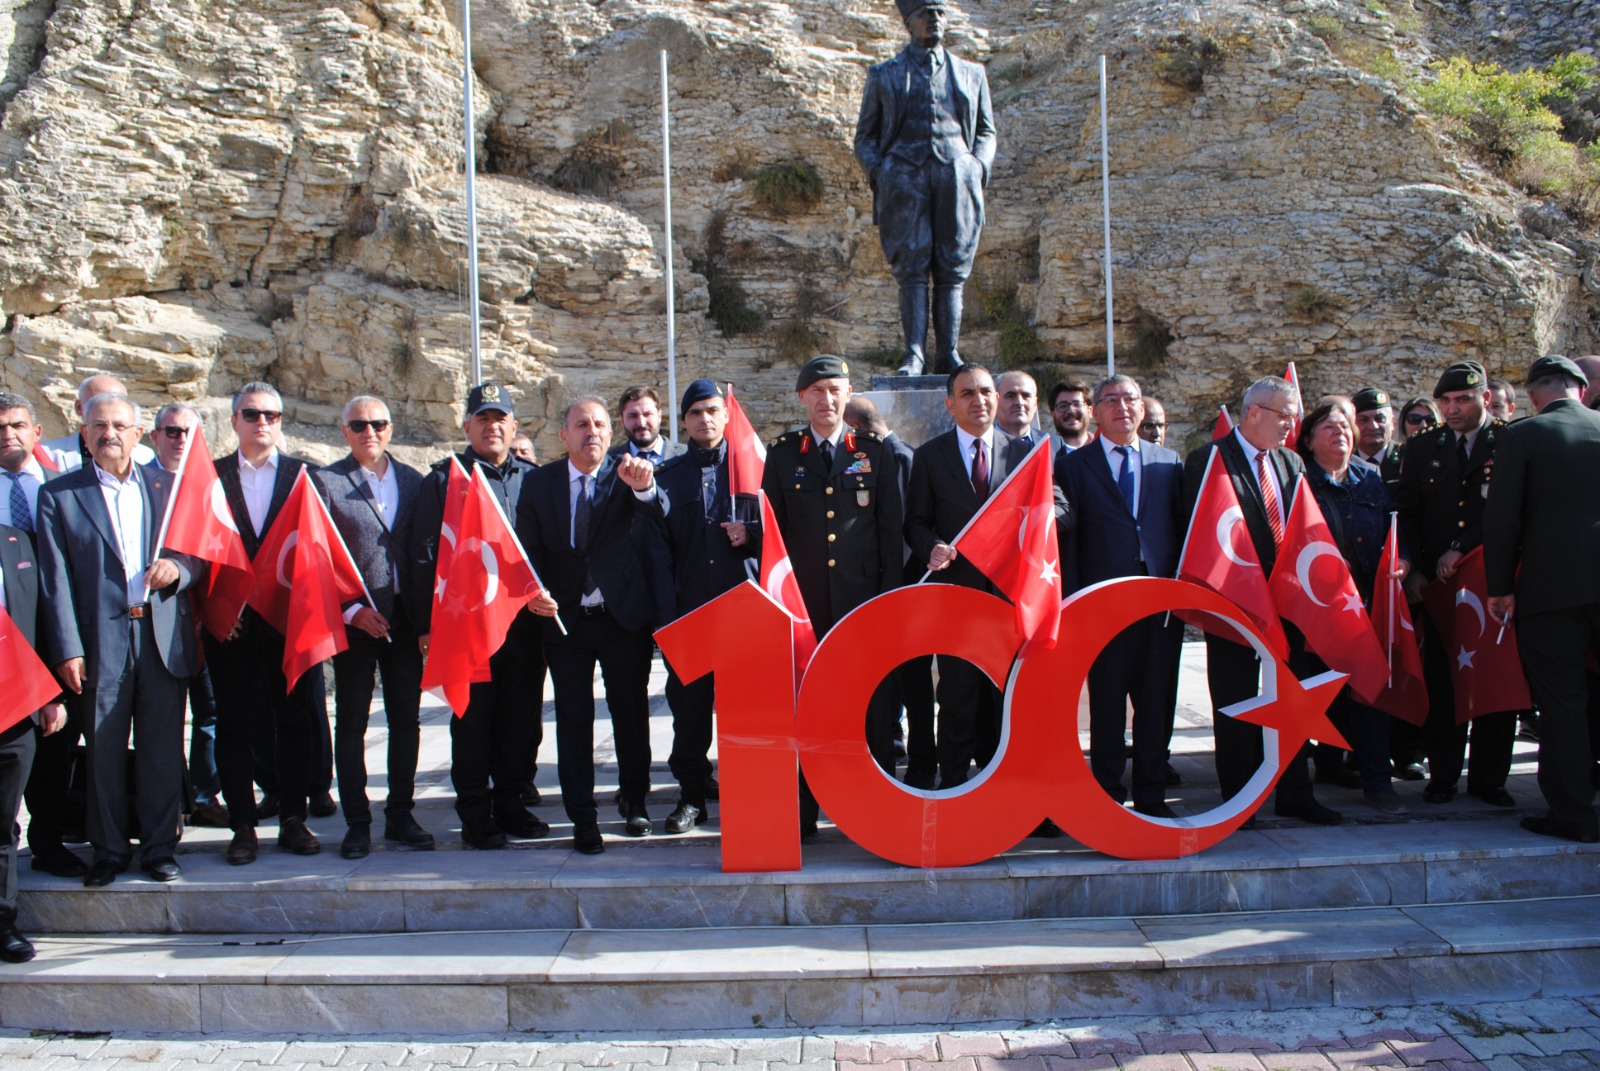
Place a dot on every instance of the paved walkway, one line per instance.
(1540, 1035)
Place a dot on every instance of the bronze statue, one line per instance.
(926, 141)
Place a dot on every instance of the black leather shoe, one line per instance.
(15, 948)
(713, 789)
(1494, 796)
(357, 841)
(685, 817)
(405, 830)
(637, 822)
(293, 836)
(808, 830)
(482, 835)
(243, 848)
(161, 869)
(321, 805)
(268, 807)
(102, 872)
(1411, 771)
(212, 815)
(917, 777)
(1544, 826)
(586, 839)
(1047, 829)
(57, 860)
(530, 795)
(1438, 793)
(1158, 809)
(522, 825)
(1312, 812)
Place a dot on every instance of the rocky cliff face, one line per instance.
(198, 192)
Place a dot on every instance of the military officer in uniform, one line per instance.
(1444, 482)
(1375, 443)
(835, 494)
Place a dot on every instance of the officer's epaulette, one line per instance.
(864, 434)
(785, 437)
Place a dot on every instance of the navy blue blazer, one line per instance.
(1105, 540)
(700, 561)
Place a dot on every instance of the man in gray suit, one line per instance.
(121, 636)
(372, 497)
(925, 138)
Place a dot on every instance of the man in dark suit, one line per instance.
(1543, 516)
(709, 549)
(19, 596)
(1125, 498)
(1445, 475)
(1019, 404)
(1265, 477)
(579, 522)
(371, 498)
(951, 477)
(925, 139)
(121, 635)
(494, 744)
(253, 696)
(639, 409)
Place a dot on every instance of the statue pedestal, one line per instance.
(913, 406)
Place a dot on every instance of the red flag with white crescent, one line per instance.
(1486, 668)
(1405, 695)
(747, 455)
(200, 523)
(778, 580)
(25, 683)
(1224, 424)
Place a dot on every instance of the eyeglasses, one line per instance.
(173, 431)
(1418, 418)
(1285, 415)
(254, 416)
(1119, 400)
(360, 426)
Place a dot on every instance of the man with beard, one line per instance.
(639, 409)
(1069, 411)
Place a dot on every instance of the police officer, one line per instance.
(1443, 486)
(835, 494)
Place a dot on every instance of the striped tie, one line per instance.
(1269, 497)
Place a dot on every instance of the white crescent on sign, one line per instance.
(1471, 599)
(1225, 526)
(288, 548)
(219, 506)
(1302, 566)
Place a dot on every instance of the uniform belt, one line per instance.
(142, 610)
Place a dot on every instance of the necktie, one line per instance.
(1461, 452)
(580, 527)
(980, 469)
(1269, 497)
(21, 515)
(827, 452)
(1125, 478)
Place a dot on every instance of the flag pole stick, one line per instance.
(1105, 187)
(1394, 590)
(666, 252)
(472, 195)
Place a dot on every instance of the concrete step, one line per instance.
(743, 977)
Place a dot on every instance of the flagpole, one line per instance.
(666, 251)
(1391, 551)
(472, 195)
(1105, 189)
(993, 494)
(511, 529)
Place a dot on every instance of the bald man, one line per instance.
(70, 451)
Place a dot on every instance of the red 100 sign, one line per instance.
(766, 733)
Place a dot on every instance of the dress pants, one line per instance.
(915, 679)
(203, 738)
(145, 704)
(47, 781)
(1134, 666)
(692, 730)
(17, 745)
(400, 662)
(1492, 735)
(1365, 729)
(969, 720)
(490, 743)
(251, 690)
(1552, 647)
(624, 659)
(320, 770)
(1233, 675)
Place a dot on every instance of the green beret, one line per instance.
(826, 366)
(1372, 398)
(1553, 365)
(1463, 375)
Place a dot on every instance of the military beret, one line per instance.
(1555, 364)
(826, 366)
(1372, 398)
(911, 7)
(486, 396)
(1463, 375)
(698, 391)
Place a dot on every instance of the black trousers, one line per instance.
(1492, 735)
(1133, 667)
(1233, 674)
(321, 767)
(692, 731)
(969, 720)
(624, 659)
(491, 743)
(400, 662)
(915, 679)
(17, 746)
(203, 738)
(252, 694)
(1552, 647)
(46, 793)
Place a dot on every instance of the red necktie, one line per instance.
(1269, 497)
(980, 469)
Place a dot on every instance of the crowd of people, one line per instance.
(632, 535)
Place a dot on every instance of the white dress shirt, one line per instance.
(125, 503)
(1250, 452)
(575, 483)
(256, 484)
(965, 441)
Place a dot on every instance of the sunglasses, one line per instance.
(253, 416)
(1418, 418)
(172, 431)
(360, 426)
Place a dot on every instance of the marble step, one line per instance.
(743, 977)
(663, 883)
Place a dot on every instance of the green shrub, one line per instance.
(795, 341)
(996, 304)
(1314, 305)
(788, 189)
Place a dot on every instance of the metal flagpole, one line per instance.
(666, 252)
(1105, 185)
(472, 194)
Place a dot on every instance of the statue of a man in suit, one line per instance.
(926, 141)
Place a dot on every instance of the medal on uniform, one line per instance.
(863, 496)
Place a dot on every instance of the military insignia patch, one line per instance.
(863, 498)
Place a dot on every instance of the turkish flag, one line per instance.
(1224, 560)
(1405, 695)
(25, 683)
(42, 456)
(199, 523)
(778, 581)
(1297, 404)
(1224, 424)
(747, 455)
(303, 577)
(482, 581)
(1312, 587)
(1486, 669)
(1012, 540)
